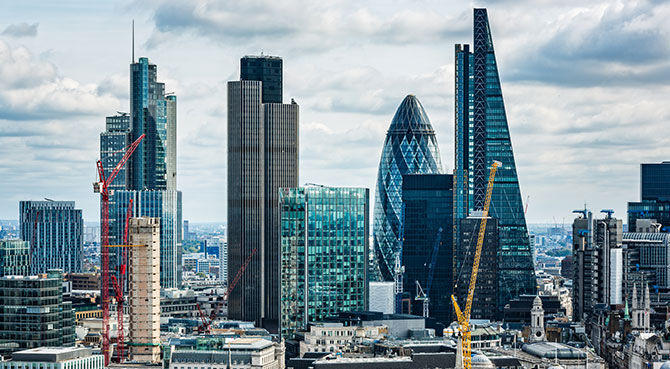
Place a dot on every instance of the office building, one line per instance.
(14, 257)
(153, 113)
(262, 157)
(381, 297)
(55, 232)
(648, 253)
(596, 263)
(150, 175)
(163, 204)
(55, 358)
(485, 302)
(654, 201)
(238, 353)
(427, 245)
(410, 147)
(483, 136)
(268, 70)
(144, 289)
(113, 140)
(324, 239)
(33, 313)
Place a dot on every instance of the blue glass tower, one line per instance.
(482, 136)
(410, 148)
(324, 247)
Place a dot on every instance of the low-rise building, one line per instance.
(54, 358)
(334, 337)
(240, 353)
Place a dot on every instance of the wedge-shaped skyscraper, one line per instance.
(482, 136)
(410, 148)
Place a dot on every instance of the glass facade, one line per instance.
(55, 232)
(655, 196)
(153, 113)
(655, 181)
(428, 203)
(165, 205)
(14, 257)
(410, 147)
(33, 313)
(482, 136)
(268, 70)
(324, 248)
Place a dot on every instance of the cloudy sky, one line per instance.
(586, 86)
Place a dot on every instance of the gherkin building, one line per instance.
(410, 148)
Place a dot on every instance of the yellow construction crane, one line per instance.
(464, 316)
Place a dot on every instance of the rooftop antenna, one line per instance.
(133, 31)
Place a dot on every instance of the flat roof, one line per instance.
(51, 354)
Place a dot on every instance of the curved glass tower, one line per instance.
(410, 148)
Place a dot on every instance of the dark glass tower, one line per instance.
(427, 199)
(410, 147)
(655, 196)
(153, 113)
(262, 157)
(150, 176)
(267, 69)
(482, 136)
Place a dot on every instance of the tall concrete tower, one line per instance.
(144, 289)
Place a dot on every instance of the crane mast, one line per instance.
(464, 316)
(102, 187)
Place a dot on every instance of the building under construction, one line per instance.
(144, 289)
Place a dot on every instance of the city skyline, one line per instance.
(49, 121)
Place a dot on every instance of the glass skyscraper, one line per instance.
(482, 136)
(150, 176)
(153, 113)
(165, 205)
(324, 248)
(654, 194)
(428, 204)
(410, 147)
(262, 157)
(55, 232)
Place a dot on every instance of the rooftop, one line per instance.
(51, 354)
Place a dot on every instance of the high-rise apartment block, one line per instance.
(482, 136)
(654, 201)
(144, 289)
(33, 313)
(324, 248)
(597, 263)
(262, 157)
(150, 176)
(55, 232)
(14, 257)
(410, 147)
(485, 303)
(428, 221)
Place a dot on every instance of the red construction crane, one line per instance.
(206, 325)
(102, 187)
(215, 312)
(118, 288)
